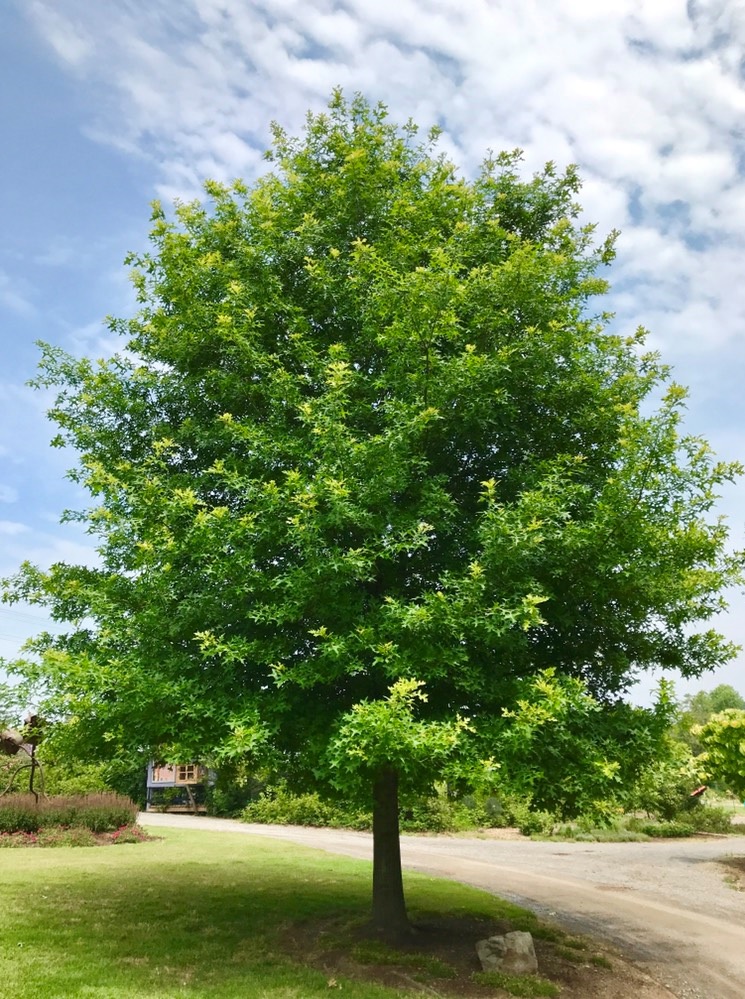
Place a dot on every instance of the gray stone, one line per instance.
(512, 953)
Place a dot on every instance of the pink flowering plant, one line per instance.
(76, 820)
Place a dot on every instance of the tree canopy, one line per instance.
(723, 741)
(696, 709)
(366, 460)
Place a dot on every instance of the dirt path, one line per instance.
(666, 905)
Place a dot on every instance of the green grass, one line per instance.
(517, 985)
(193, 915)
(377, 952)
(600, 961)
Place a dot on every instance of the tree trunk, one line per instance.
(388, 908)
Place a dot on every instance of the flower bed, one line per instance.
(50, 836)
(22, 813)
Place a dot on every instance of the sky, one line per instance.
(105, 106)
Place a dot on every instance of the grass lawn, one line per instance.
(193, 914)
(213, 914)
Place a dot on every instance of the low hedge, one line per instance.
(97, 812)
(279, 806)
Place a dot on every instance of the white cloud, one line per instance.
(12, 527)
(68, 40)
(8, 494)
(44, 548)
(14, 296)
(648, 99)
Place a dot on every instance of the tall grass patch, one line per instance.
(96, 812)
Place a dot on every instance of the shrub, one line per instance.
(492, 811)
(51, 836)
(9, 841)
(530, 821)
(709, 818)
(280, 806)
(663, 788)
(666, 830)
(229, 800)
(97, 812)
(436, 814)
(81, 779)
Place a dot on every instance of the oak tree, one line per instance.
(366, 458)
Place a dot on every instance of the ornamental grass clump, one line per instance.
(96, 812)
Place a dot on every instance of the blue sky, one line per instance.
(105, 106)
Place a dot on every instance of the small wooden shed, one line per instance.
(176, 787)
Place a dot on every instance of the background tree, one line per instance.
(366, 462)
(723, 741)
(696, 709)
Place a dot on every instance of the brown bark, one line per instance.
(389, 907)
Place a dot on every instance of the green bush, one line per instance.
(709, 818)
(279, 806)
(491, 811)
(664, 787)
(437, 813)
(531, 821)
(700, 818)
(660, 830)
(51, 836)
(81, 779)
(229, 800)
(97, 812)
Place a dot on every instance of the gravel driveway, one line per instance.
(665, 905)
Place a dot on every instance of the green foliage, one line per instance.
(723, 740)
(664, 785)
(48, 837)
(227, 797)
(697, 818)
(386, 732)
(533, 822)
(97, 812)
(721, 698)
(566, 753)
(129, 834)
(667, 830)
(613, 834)
(692, 818)
(697, 709)
(439, 812)
(277, 805)
(709, 818)
(77, 779)
(68, 836)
